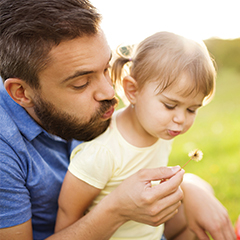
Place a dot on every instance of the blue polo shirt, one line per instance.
(33, 164)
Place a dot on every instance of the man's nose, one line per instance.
(104, 89)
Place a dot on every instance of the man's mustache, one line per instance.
(106, 104)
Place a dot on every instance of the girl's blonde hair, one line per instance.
(164, 57)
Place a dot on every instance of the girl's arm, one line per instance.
(74, 199)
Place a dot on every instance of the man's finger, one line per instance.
(156, 174)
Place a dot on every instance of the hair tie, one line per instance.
(130, 59)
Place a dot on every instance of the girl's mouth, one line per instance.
(173, 133)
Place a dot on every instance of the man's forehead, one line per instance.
(87, 53)
(86, 46)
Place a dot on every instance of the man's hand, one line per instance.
(138, 200)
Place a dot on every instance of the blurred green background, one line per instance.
(216, 130)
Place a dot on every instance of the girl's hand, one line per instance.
(209, 214)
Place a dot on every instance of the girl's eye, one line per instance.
(169, 106)
(191, 110)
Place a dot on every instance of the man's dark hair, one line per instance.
(30, 28)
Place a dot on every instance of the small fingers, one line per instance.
(223, 229)
(201, 234)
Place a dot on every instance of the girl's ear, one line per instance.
(130, 88)
(19, 91)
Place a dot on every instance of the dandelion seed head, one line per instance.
(196, 155)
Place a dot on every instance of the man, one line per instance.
(54, 64)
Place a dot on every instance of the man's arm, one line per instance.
(134, 199)
(21, 232)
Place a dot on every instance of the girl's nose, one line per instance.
(179, 117)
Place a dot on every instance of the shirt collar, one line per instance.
(25, 123)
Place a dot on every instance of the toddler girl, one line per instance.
(170, 78)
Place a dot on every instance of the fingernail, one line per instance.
(175, 168)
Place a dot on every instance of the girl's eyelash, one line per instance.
(169, 106)
(191, 111)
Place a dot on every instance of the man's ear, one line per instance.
(130, 88)
(19, 91)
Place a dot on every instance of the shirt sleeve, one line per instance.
(92, 163)
(15, 206)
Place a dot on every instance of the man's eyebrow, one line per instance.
(77, 74)
(81, 73)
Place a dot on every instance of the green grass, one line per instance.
(216, 132)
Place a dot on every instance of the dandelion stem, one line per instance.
(186, 162)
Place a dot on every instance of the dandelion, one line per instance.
(195, 155)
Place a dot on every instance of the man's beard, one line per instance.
(68, 127)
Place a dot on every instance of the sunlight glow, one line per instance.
(130, 21)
